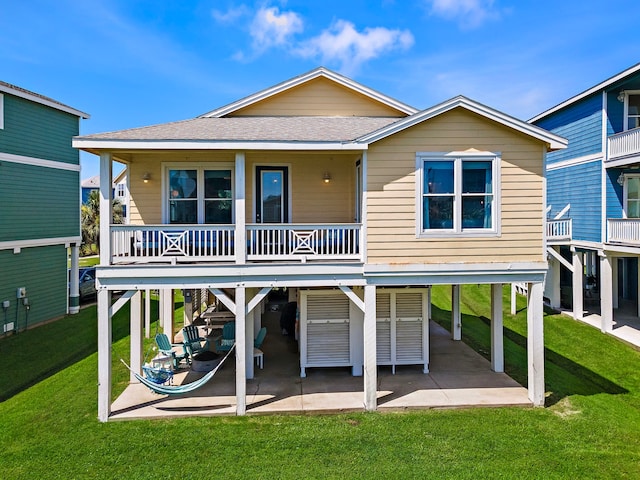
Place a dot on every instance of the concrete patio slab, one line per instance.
(458, 377)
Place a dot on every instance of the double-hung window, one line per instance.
(457, 193)
(632, 110)
(200, 194)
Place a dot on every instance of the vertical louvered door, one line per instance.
(409, 339)
(325, 330)
(383, 328)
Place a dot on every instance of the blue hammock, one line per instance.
(178, 389)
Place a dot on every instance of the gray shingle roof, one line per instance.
(247, 129)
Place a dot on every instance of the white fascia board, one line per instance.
(89, 144)
(43, 101)
(294, 82)
(586, 93)
(555, 142)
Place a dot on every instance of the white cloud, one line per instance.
(469, 13)
(271, 28)
(344, 44)
(231, 15)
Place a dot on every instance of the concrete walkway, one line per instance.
(458, 377)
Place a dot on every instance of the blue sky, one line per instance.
(133, 63)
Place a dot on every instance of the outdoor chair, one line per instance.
(257, 343)
(193, 342)
(228, 338)
(166, 348)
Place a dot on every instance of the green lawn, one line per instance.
(590, 428)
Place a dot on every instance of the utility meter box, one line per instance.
(21, 292)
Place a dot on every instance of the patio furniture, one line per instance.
(257, 343)
(258, 356)
(228, 338)
(167, 348)
(177, 389)
(193, 342)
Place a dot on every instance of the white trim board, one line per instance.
(86, 144)
(38, 162)
(572, 162)
(39, 242)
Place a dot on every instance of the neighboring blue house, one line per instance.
(39, 208)
(593, 199)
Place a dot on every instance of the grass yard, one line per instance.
(590, 428)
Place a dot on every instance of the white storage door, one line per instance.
(383, 328)
(327, 330)
(409, 340)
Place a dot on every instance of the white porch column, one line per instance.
(240, 209)
(74, 287)
(456, 315)
(497, 345)
(104, 355)
(167, 311)
(370, 360)
(188, 306)
(615, 287)
(135, 321)
(554, 287)
(147, 313)
(535, 344)
(249, 338)
(106, 195)
(606, 292)
(241, 347)
(429, 302)
(514, 296)
(578, 302)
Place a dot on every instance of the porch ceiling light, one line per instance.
(621, 96)
(621, 179)
(146, 177)
(326, 177)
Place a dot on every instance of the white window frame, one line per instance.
(1, 111)
(200, 168)
(457, 158)
(627, 93)
(625, 193)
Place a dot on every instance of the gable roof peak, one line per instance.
(304, 78)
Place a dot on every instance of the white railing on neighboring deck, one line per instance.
(624, 144)
(175, 243)
(303, 242)
(559, 229)
(623, 230)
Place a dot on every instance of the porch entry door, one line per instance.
(272, 194)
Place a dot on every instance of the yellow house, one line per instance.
(355, 202)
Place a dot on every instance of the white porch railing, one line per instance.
(624, 144)
(559, 229)
(206, 243)
(623, 230)
(303, 242)
(162, 243)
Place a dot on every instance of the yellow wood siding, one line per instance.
(319, 97)
(391, 209)
(312, 200)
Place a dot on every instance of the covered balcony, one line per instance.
(173, 244)
(624, 148)
(623, 231)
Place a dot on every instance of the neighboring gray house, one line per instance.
(39, 207)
